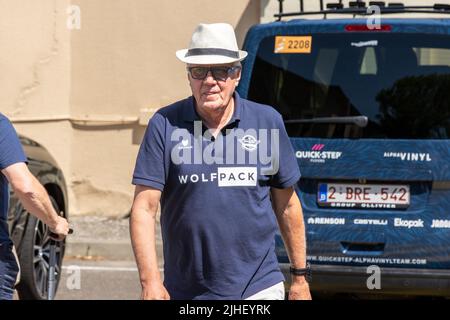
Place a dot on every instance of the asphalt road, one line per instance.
(99, 280)
(106, 270)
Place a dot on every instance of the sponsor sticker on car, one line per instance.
(293, 44)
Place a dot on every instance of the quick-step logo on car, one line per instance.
(317, 155)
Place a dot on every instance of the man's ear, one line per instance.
(238, 78)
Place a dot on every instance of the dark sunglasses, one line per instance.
(218, 73)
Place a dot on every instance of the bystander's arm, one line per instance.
(34, 198)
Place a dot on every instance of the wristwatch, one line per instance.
(302, 272)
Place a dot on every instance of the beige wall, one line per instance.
(35, 68)
(122, 60)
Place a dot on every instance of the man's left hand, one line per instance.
(299, 290)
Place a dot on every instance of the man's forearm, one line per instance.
(293, 232)
(290, 220)
(35, 200)
(143, 239)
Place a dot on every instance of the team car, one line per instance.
(367, 108)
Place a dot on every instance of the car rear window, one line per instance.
(400, 82)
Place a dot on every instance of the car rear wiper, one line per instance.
(360, 121)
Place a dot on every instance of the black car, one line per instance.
(30, 235)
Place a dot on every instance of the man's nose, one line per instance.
(209, 78)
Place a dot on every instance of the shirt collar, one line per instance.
(190, 114)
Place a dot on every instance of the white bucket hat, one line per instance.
(212, 44)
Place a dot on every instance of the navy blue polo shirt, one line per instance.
(217, 222)
(11, 152)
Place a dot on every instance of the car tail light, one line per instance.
(365, 28)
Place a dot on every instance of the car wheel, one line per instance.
(34, 259)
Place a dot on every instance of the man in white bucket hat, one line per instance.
(224, 171)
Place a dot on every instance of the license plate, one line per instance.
(368, 196)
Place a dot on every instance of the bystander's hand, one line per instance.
(60, 229)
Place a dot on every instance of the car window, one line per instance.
(399, 81)
(369, 63)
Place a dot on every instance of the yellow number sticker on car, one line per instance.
(290, 44)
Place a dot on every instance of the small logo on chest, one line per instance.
(249, 142)
(184, 144)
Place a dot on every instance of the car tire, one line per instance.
(34, 259)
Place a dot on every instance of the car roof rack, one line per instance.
(361, 7)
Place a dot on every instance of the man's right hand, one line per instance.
(155, 291)
(60, 229)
